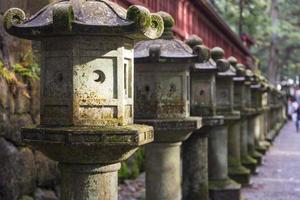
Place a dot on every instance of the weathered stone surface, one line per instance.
(47, 170)
(9, 188)
(5, 125)
(217, 152)
(17, 121)
(28, 176)
(195, 166)
(26, 198)
(220, 186)
(236, 171)
(251, 140)
(63, 18)
(17, 171)
(21, 103)
(42, 194)
(3, 94)
(89, 181)
(163, 179)
(35, 100)
(162, 95)
(11, 103)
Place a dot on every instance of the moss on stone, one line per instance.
(238, 170)
(233, 61)
(63, 17)
(248, 160)
(204, 191)
(169, 21)
(140, 15)
(217, 53)
(220, 184)
(149, 25)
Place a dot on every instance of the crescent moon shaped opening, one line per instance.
(100, 76)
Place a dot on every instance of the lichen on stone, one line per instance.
(202, 52)
(217, 53)
(150, 25)
(63, 16)
(13, 16)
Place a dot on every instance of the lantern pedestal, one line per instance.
(84, 181)
(195, 161)
(163, 171)
(247, 161)
(220, 185)
(163, 168)
(236, 171)
(251, 140)
(262, 145)
(272, 131)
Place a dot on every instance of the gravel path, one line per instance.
(279, 177)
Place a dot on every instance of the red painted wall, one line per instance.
(198, 17)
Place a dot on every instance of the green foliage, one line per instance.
(123, 173)
(254, 15)
(27, 68)
(256, 21)
(31, 72)
(5, 73)
(133, 167)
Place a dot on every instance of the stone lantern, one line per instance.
(236, 170)
(279, 114)
(242, 99)
(263, 144)
(276, 106)
(253, 120)
(86, 89)
(220, 185)
(270, 134)
(203, 103)
(283, 107)
(268, 116)
(162, 100)
(259, 98)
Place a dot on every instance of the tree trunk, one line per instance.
(273, 67)
(240, 25)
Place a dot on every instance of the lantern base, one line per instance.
(224, 189)
(250, 163)
(240, 174)
(271, 136)
(257, 156)
(263, 147)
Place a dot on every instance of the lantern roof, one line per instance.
(84, 17)
(206, 63)
(165, 49)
